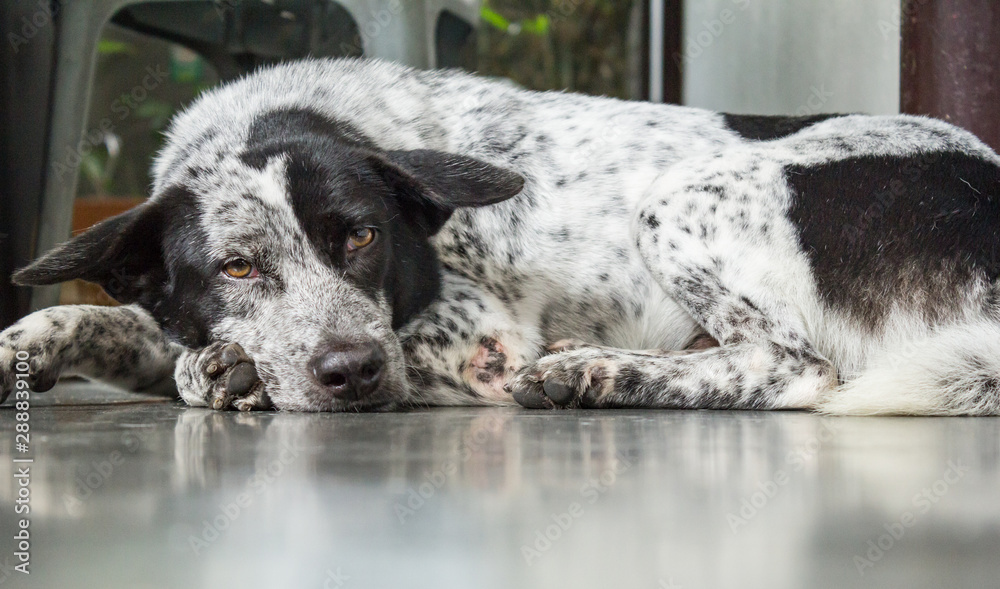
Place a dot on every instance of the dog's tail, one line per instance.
(953, 371)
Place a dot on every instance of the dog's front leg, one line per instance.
(120, 345)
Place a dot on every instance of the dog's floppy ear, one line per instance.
(122, 254)
(441, 182)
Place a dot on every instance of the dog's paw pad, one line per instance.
(578, 378)
(233, 377)
(535, 393)
(559, 392)
(530, 398)
(241, 379)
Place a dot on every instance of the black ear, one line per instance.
(442, 182)
(122, 254)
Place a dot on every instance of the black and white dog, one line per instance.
(346, 235)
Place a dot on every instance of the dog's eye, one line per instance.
(359, 238)
(239, 268)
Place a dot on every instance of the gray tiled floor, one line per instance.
(457, 497)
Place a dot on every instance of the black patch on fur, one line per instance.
(914, 230)
(152, 256)
(189, 305)
(274, 132)
(766, 127)
(339, 181)
(334, 191)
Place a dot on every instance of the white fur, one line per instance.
(942, 373)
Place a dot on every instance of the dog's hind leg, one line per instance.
(761, 364)
(719, 249)
(120, 345)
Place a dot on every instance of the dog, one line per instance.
(348, 235)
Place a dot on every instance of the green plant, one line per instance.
(580, 45)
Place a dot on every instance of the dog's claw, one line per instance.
(257, 399)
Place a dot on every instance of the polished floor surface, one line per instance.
(137, 492)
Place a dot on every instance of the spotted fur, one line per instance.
(842, 263)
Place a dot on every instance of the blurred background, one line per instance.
(88, 86)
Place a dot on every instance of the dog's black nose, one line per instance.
(349, 371)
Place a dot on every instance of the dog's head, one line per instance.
(304, 243)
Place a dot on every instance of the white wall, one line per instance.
(792, 56)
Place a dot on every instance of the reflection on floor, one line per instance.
(128, 491)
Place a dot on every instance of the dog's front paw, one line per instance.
(580, 377)
(34, 350)
(221, 376)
